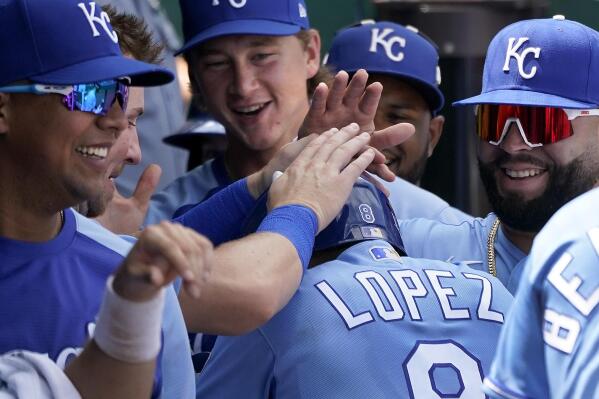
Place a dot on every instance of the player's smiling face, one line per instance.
(126, 151)
(62, 154)
(400, 102)
(526, 186)
(256, 85)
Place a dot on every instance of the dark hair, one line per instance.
(322, 75)
(135, 38)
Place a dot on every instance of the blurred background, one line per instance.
(462, 30)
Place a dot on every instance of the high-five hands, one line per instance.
(354, 102)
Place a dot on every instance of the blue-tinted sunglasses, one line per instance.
(96, 98)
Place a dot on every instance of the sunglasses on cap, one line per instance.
(96, 98)
(537, 125)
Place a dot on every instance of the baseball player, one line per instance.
(369, 322)
(548, 347)
(57, 132)
(253, 65)
(165, 107)
(406, 63)
(537, 123)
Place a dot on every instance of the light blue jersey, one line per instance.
(549, 345)
(464, 242)
(50, 294)
(368, 325)
(188, 190)
(408, 200)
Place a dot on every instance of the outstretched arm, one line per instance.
(254, 277)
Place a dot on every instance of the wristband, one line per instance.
(129, 331)
(298, 224)
(220, 217)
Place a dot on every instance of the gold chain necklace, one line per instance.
(491, 247)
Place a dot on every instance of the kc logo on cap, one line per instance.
(204, 20)
(550, 62)
(380, 38)
(233, 3)
(512, 52)
(391, 49)
(64, 42)
(102, 20)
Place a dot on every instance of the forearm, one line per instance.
(97, 375)
(220, 217)
(251, 281)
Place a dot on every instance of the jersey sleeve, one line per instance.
(177, 369)
(239, 367)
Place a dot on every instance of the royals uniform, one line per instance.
(368, 325)
(464, 242)
(549, 345)
(50, 294)
(407, 200)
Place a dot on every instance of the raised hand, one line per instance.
(354, 102)
(126, 215)
(323, 174)
(163, 252)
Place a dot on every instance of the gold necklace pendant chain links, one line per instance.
(491, 248)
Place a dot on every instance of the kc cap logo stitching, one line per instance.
(379, 37)
(233, 3)
(303, 13)
(103, 20)
(550, 62)
(390, 49)
(512, 52)
(204, 20)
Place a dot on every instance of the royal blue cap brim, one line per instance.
(525, 97)
(107, 68)
(242, 27)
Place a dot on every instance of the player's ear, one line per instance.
(4, 102)
(435, 130)
(312, 53)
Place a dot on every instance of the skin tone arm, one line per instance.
(345, 102)
(254, 277)
(162, 253)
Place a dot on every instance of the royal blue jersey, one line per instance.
(549, 345)
(50, 294)
(368, 325)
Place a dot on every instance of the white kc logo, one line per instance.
(387, 43)
(512, 51)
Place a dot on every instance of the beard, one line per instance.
(414, 175)
(565, 183)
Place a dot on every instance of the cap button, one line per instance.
(559, 17)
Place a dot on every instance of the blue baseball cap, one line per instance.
(194, 132)
(391, 49)
(207, 19)
(65, 42)
(550, 62)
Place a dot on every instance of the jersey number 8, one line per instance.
(443, 369)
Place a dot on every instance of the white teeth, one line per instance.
(253, 108)
(523, 173)
(96, 152)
